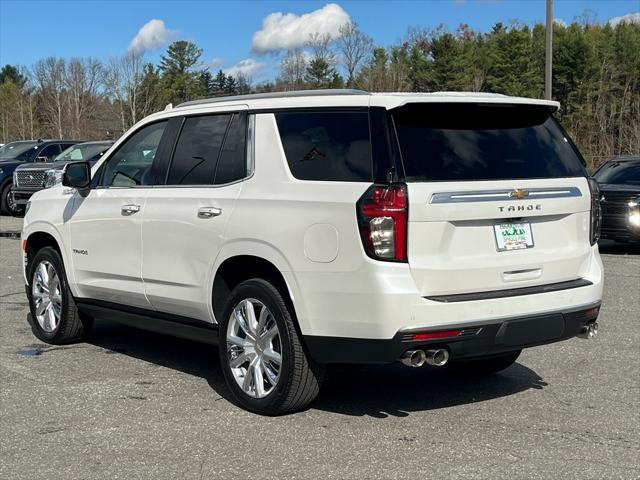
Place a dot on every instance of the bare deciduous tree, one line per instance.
(82, 82)
(355, 48)
(49, 76)
(320, 46)
(292, 69)
(123, 79)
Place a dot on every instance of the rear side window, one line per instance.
(232, 165)
(196, 154)
(452, 142)
(327, 145)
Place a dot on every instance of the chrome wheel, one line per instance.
(47, 297)
(254, 348)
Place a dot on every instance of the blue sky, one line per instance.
(30, 30)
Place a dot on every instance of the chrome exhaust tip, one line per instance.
(437, 357)
(413, 358)
(589, 331)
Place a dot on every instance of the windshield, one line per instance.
(87, 152)
(18, 150)
(625, 173)
(458, 141)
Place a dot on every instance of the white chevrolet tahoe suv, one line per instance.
(307, 228)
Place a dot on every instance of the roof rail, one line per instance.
(257, 96)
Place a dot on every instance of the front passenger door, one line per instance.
(106, 225)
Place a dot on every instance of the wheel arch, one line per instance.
(38, 240)
(39, 235)
(235, 266)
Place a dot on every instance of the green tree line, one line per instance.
(596, 78)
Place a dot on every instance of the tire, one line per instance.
(7, 205)
(297, 377)
(70, 326)
(485, 365)
(5, 199)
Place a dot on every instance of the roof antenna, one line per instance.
(168, 107)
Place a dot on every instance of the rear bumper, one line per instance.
(476, 339)
(381, 299)
(22, 195)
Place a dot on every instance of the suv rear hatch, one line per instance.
(498, 197)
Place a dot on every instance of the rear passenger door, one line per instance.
(185, 219)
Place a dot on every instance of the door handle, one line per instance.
(130, 209)
(209, 212)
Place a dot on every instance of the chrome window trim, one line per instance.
(468, 196)
(250, 167)
(251, 160)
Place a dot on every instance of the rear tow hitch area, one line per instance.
(437, 357)
(589, 331)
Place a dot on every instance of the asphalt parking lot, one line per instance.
(132, 404)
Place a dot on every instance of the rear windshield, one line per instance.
(452, 142)
(625, 173)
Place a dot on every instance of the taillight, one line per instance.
(382, 218)
(596, 212)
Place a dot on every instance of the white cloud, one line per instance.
(153, 34)
(247, 68)
(628, 18)
(560, 22)
(214, 63)
(284, 31)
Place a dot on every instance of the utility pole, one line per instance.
(548, 50)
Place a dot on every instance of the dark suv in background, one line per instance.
(32, 177)
(619, 180)
(18, 153)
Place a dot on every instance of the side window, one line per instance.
(327, 145)
(232, 165)
(131, 164)
(75, 155)
(196, 154)
(50, 151)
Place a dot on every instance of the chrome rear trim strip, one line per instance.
(502, 195)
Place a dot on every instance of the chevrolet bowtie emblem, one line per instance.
(519, 193)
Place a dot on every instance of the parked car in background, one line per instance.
(21, 152)
(31, 177)
(619, 180)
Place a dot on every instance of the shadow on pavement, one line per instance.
(189, 357)
(609, 247)
(395, 390)
(357, 390)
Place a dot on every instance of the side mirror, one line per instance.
(77, 175)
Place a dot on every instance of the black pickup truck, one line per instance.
(30, 178)
(24, 152)
(619, 180)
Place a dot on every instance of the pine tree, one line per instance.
(219, 83)
(179, 81)
(319, 73)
